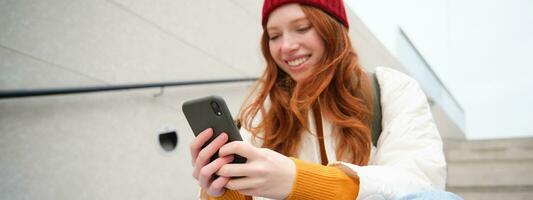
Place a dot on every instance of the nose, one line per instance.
(289, 45)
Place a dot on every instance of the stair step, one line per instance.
(490, 173)
(490, 169)
(504, 149)
(494, 193)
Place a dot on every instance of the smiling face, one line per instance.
(293, 42)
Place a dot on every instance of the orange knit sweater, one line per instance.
(313, 181)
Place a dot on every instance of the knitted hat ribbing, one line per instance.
(334, 8)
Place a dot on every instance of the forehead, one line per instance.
(285, 14)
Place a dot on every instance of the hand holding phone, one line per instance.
(205, 172)
(212, 112)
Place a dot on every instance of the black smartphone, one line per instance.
(212, 112)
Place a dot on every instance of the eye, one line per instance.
(273, 37)
(303, 29)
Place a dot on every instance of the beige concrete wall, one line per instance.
(77, 43)
(100, 145)
(105, 145)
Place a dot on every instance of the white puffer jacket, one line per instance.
(408, 157)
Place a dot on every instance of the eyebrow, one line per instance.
(291, 22)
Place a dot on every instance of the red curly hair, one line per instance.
(338, 85)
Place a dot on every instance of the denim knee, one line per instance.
(431, 195)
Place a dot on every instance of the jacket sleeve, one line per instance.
(409, 155)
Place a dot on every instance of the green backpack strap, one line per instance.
(376, 121)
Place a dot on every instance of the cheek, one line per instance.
(319, 46)
(272, 49)
(321, 49)
(274, 52)
(316, 43)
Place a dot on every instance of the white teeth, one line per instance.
(298, 61)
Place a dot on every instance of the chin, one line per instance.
(298, 78)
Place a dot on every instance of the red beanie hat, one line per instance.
(334, 8)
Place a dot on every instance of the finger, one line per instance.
(198, 142)
(206, 153)
(243, 183)
(206, 173)
(236, 170)
(217, 186)
(240, 148)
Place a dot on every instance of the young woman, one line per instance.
(307, 125)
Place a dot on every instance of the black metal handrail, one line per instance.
(5, 94)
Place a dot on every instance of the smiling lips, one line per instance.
(297, 61)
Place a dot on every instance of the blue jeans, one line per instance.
(432, 195)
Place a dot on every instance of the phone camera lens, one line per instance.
(216, 108)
